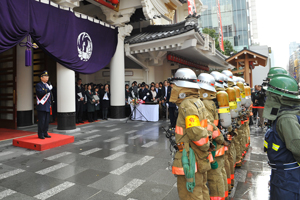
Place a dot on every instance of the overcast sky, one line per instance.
(278, 25)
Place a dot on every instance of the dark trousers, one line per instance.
(79, 111)
(104, 113)
(43, 123)
(173, 117)
(90, 116)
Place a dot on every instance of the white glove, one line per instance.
(50, 87)
(144, 97)
(167, 104)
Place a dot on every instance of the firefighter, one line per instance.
(234, 148)
(215, 179)
(191, 162)
(282, 140)
(220, 86)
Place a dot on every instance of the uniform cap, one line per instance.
(44, 73)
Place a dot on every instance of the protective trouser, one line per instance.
(215, 180)
(200, 191)
(228, 171)
(221, 163)
(232, 160)
(237, 140)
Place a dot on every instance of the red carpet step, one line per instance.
(84, 122)
(34, 143)
(6, 134)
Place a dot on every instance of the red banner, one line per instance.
(220, 27)
(192, 7)
(112, 4)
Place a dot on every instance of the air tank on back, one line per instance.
(248, 96)
(224, 109)
(243, 96)
(238, 98)
(232, 102)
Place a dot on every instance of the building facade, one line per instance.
(235, 21)
(293, 47)
(134, 60)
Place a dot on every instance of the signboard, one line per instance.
(112, 4)
(220, 27)
(192, 7)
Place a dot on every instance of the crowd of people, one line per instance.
(92, 101)
(157, 93)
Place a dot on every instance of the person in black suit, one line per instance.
(144, 93)
(43, 97)
(172, 108)
(158, 91)
(127, 93)
(79, 101)
(164, 90)
(90, 103)
(105, 101)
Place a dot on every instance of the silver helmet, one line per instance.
(207, 82)
(241, 80)
(228, 74)
(235, 79)
(219, 78)
(185, 77)
(225, 80)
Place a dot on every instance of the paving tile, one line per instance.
(34, 185)
(98, 164)
(18, 196)
(104, 195)
(164, 177)
(111, 183)
(75, 192)
(150, 191)
(66, 172)
(140, 172)
(87, 177)
(172, 195)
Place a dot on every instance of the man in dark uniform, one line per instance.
(43, 98)
(79, 101)
(172, 108)
(144, 93)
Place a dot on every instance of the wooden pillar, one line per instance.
(251, 80)
(246, 74)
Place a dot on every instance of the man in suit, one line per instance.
(43, 97)
(164, 90)
(79, 101)
(173, 111)
(158, 91)
(144, 93)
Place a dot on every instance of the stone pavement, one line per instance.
(113, 160)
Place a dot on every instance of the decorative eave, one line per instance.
(183, 39)
(160, 8)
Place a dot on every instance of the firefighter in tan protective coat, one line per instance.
(191, 162)
(216, 182)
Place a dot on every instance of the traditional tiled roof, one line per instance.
(155, 32)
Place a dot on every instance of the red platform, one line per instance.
(34, 143)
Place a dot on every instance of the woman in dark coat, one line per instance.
(90, 103)
(97, 104)
(105, 101)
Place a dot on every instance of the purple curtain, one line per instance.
(76, 43)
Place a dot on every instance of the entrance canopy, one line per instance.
(245, 61)
(183, 39)
(76, 41)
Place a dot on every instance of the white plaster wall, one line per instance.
(24, 82)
